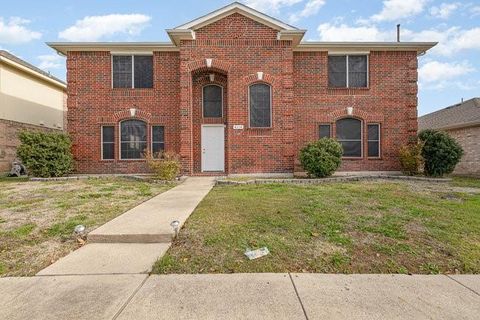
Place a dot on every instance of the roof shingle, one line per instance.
(455, 116)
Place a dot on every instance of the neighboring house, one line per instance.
(237, 91)
(462, 122)
(29, 99)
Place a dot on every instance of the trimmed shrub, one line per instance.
(411, 159)
(321, 158)
(440, 152)
(45, 154)
(165, 165)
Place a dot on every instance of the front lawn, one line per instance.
(37, 218)
(357, 227)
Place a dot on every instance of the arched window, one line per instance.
(349, 134)
(212, 101)
(133, 139)
(260, 99)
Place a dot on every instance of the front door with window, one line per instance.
(213, 148)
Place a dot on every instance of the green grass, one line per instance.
(357, 227)
(470, 182)
(37, 218)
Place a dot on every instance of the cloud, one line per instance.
(272, 6)
(399, 9)
(438, 75)
(343, 32)
(15, 31)
(450, 40)
(444, 10)
(50, 61)
(311, 8)
(475, 11)
(94, 28)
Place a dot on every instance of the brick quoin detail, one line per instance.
(301, 101)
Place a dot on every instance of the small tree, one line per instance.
(164, 165)
(440, 152)
(321, 158)
(45, 154)
(411, 159)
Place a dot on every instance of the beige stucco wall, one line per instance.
(28, 99)
(469, 139)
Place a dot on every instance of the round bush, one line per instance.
(321, 158)
(45, 154)
(440, 152)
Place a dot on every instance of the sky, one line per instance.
(447, 73)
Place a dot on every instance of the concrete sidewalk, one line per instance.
(132, 242)
(241, 296)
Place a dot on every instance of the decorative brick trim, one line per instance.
(201, 65)
(254, 78)
(357, 113)
(125, 114)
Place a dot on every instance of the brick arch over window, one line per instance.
(357, 114)
(216, 65)
(126, 115)
(253, 78)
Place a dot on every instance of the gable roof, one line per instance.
(18, 63)
(236, 7)
(187, 31)
(456, 116)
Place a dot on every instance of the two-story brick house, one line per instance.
(237, 91)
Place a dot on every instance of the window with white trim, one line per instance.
(133, 139)
(348, 71)
(158, 140)
(108, 142)
(135, 71)
(349, 134)
(374, 140)
(260, 100)
(212, 101)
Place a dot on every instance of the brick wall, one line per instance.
(390, 100)
(9, 141)
(469, 139)
(240, 48)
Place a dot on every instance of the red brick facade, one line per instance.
(240, 48)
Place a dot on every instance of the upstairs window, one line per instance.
(260, 98)
(132, 71)
(349, 71)
(133, 139)
(349, 134)
(212, 101)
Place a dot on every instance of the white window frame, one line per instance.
(271, 105)
(347, 70)
(211, 84)
(120, 140)
(151, 136)
(133, 67)
(379, 140)
(362, 141)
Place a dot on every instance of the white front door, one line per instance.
(213, 148)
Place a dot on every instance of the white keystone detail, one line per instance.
(209, 62)
(133, 112)
(260, 75)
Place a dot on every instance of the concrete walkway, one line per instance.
(241, 296)
(132, 242)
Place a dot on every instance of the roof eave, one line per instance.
(34, 73)
(236, 7)
(420, 47)
(64, 47)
